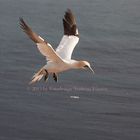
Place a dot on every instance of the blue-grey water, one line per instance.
(108, 107)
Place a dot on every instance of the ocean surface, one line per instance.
(81, 106)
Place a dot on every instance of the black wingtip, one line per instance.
(69, 23)
(23, 25)
(21, 20)
(69, 10)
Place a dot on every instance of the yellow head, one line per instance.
(84, 65)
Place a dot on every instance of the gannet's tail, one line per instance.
(38, 76)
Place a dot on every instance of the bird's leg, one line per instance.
(46, 75)
(55, 77)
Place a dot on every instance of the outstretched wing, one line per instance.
(33, 36)
(47, 50)
(44, 47)
(70, 38)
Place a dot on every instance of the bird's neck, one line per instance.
(75, 64)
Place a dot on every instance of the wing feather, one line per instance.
(44, 47)
(47, 50)
(69, 24)
(70, 38)
(33, 36)
(66, 46)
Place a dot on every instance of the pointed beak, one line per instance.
(88, 67)
(91, 70)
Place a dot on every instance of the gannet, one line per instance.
(58, 60)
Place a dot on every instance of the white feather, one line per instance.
(41, 38)
(66, 46)
(48, 51)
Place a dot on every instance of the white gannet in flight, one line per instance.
(58, 60)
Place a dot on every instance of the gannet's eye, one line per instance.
(86, 66)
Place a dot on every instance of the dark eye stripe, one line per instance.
(86, 66)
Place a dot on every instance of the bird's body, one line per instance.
(58, 60)
(53, 67)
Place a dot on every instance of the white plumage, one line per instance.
(58, 60)
(66, 46)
